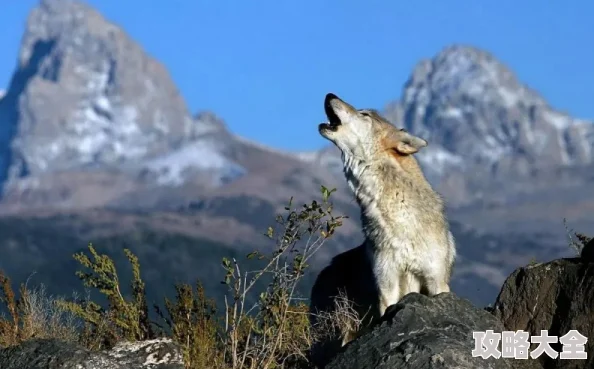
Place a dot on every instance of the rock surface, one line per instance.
(557, 296)
(423, 332)
(54, 354)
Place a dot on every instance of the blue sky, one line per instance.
(265, 65)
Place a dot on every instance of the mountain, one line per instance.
(480, 119)
(87, 98)
(98, 145)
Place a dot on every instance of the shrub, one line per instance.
(275, 330)
(191, 319)
(122, 319)
(34, 314)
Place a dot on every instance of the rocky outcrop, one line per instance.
(557, 296)
(423, 332)
(437, 332)
(587, 253)
(54, 354)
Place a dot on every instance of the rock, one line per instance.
(557, 296)
(423, 332)
(54, 354)
(587, 253)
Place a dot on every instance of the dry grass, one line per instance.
(34, 314)
(579, 242)
(342, 323)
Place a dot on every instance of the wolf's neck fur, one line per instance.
(354, 171)
(391, 196)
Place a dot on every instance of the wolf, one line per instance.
(408, 246)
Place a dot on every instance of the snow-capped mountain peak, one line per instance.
(86, 95)
(473, 108)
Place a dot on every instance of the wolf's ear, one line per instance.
(406, 144)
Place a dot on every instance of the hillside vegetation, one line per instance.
(262, 323)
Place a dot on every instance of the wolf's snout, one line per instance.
(330, 103)
(329, 97)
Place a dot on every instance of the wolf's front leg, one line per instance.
(436, 277)
(389, 294)
(436, 285)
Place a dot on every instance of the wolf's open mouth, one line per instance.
(333, 119)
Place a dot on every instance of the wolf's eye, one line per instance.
(364, 113)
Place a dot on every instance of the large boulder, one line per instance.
(423, 332)
(557, 296)
(55, 354)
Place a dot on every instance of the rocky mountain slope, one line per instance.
(97, 141)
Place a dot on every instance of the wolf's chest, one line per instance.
(397, 243)
(401, 252)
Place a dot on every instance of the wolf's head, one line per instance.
(363, 134)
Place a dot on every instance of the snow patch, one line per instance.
(170, 168)
(102, 103)
(493, 153)
(508, 97)
(563, 150)
(94, 134)
(558, 120)
(491, 141)
(452, 112)
(586, 130)
(308, 156)
(439, 159)
(100, 129)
